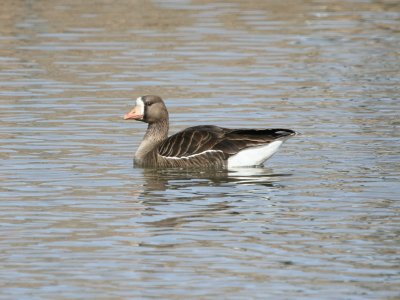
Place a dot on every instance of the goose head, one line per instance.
(149, 109)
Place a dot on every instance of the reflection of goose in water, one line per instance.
(175, 197)
(168, 179)
(200, 146)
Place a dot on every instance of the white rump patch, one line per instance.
(191, 156)
(253, 156)
(140, 103)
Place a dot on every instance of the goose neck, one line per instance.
(155, 134)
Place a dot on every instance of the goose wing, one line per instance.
(201, 140)
(192, 141)
(235, 140)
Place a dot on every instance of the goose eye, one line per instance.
(149, 104)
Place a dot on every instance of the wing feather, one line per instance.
(193, 140)
(206, 139)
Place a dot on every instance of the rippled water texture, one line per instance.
(320, 221)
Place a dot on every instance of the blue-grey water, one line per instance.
(319, 221)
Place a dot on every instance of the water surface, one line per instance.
(320, 220)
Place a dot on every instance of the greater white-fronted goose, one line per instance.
(199, 146)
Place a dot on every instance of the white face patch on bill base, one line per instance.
(140, 105)
(137, 113)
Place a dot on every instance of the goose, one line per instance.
(204, 146)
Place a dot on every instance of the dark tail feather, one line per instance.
(284, 133)
(271, 134)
